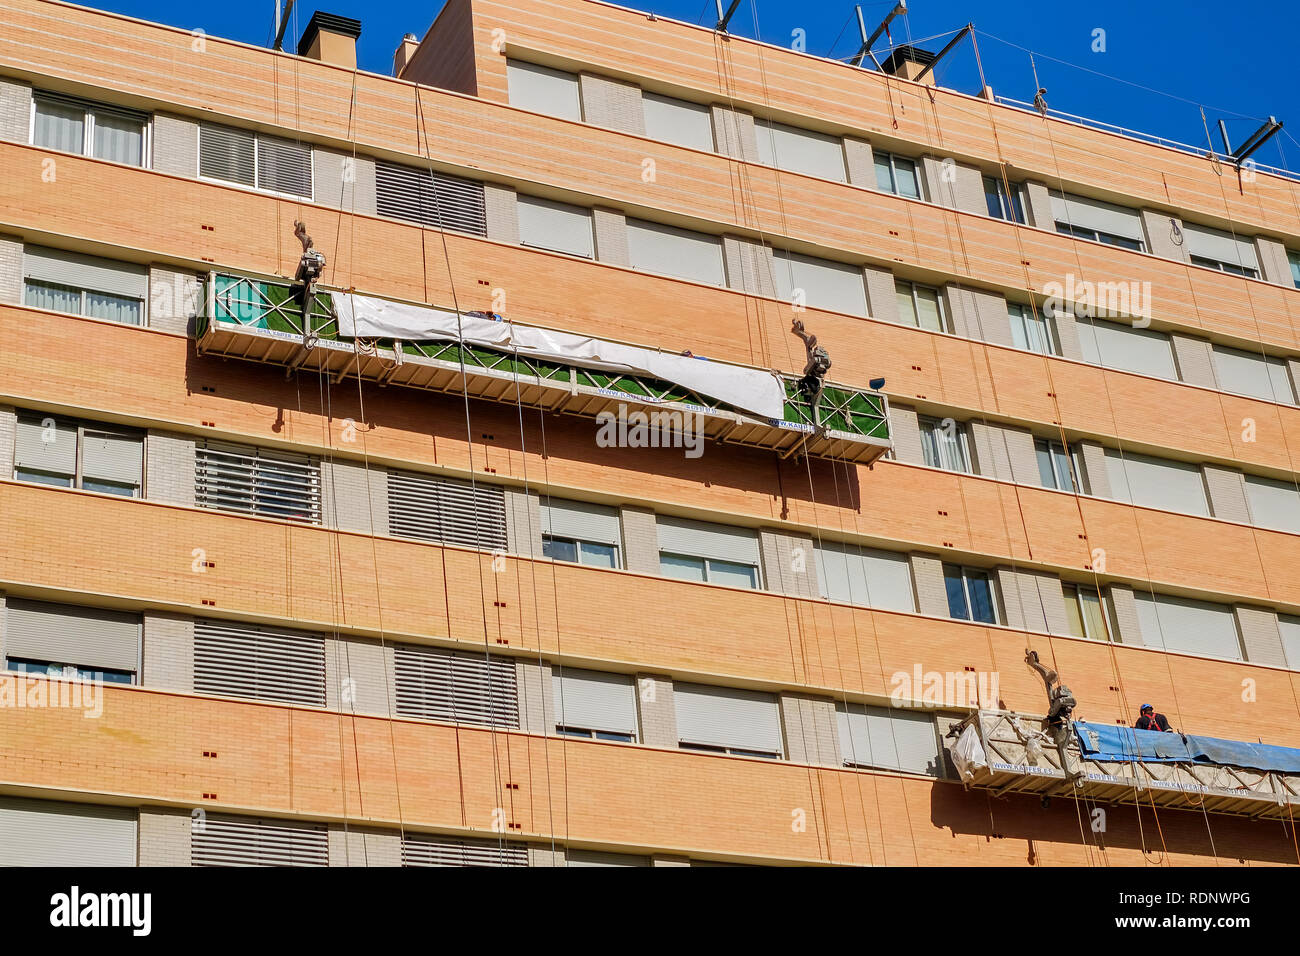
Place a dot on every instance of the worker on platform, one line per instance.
(1150, 720)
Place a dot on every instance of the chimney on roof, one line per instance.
(331, 39)
(908, 61)
(405, 50)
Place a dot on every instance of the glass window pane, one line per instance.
(1093, 618)
(906, 305)
(733, 574)
(1064, 479)
(1294, 258)
(1073, 618)
(56, 298)
(44, 478)
(930, 444)
(884, 174)
(681, 566)
(119, 139)
(598, 555)
(1046, 473)
(928, 314)
(981, 597)
(109, 487)
(559, 549)
(905, 174)
(114, 308)
(953, 584)
(60, 126)
(993, 197)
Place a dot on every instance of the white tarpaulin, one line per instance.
(968, 753)
(754, 390)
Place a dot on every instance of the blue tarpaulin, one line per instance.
(1104, 742)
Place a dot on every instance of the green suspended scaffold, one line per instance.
(262, 321)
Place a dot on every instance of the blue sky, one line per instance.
(1196, 50)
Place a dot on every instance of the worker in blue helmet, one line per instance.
(1150, 720)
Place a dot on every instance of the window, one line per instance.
(1056, 469)
(255, 160)
(819, 283)
(700, 551)
(671, 120)
(543, 90)
(446, 510)
(90, 129)
(1097, 221)
(601, 858)
(897, 175)
(427, 849)
(1273, 503)
(68, 453)
(1290, 627)
(728, 720)
(865, 576)
(556, 226)
(1294, 259)
(1259, 376)
(594, 705)
(62, 640)
(430, 198)
(944, 444)
(62, 281)
(1084, 612)
(920, 305)
(1003, 204)
(264, 663)
(1216, 249)
(248, 841)
(1120, 346)
(457, 686)
(1188, 626)
(1157, 482)
(48, 833)
(888, 738)
(256, 481)
(1032, 330)
(675, 252)
(580, 532)
(800, 150)
(970, 594)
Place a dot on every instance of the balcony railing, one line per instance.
(262, 321)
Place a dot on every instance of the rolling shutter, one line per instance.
(800, 150)
(543, 90)
(598, 858)
(834, 286)
(1251, 374)
(228, 154)
(446, 510)
(48, 833)
(727, 717)
(1207, 243)
(556, 226)
(459, 687)
(669, 251)
(422, 849)
(243, 660)
(1192, 627)
(1097, 215)
(889, 738)
(581, 521)
(1273, 503)
(90, 638)
(431, 198)
(1157, 483)
(273, 484)
(866, 576)
(111, 456)
(592, 700)
(671, 120)
(702, 539)
(85, 272)
(284, 166)
(1118, 346)
(33, 452)
(245, 841)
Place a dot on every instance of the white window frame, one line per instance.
(708, 562)
(1008, 202)
(78, 476)
(966, 572)
(1025, 314)
(1293, 260)
(962, 435)
(893, 174)
(1079, 590)
(257, 159)
(88, 131)
(944, 327)
(85, 291)
(577, 543)
(1096, 235)
(1218, 265)
(1055, 449)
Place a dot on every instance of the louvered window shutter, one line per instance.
(421, 849)
(247, 841)
(464, 688)
(431, 198)
(242, 660)
(284, 166)
(50, 833)
(86, 637)
(235, 478)
(446, 510)
(227, 154)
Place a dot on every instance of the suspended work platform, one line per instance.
(261, 321)
(1005, 752)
